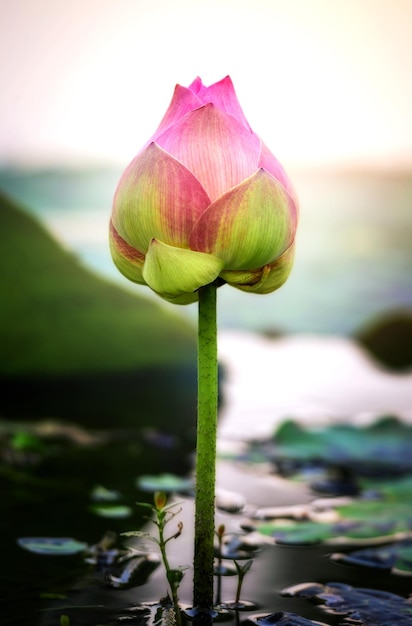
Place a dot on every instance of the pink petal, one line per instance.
(270, 163)
(197, 85)
(183, 101)
(216, 148)
(222, 94)
(157, 197)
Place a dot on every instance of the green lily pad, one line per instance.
(381, 448)
(59, 546)
(102, 494)
(164, 482)
(358, 605)
(111, 511)
(358, 519)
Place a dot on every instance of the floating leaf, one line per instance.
(281, 618)
(59, 546)
(358, 519)
(240, 546)
(395, 557)
(164, 482)
(101, 494)
(359, 605)
(381, 448)
(111, 511)
(241, 605)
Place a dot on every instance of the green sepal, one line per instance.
(177, 273)
(264, 280)
(127, 259)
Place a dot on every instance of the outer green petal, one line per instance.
(186, 298)
(243, 277)
(157, 197)
(127, 260)
(249, 226)
(266, 279)
(173, 272)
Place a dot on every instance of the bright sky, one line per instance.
(322, 81)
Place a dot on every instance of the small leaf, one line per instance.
(174, 577)
(59, 546)
(164, 482)
(115, 512)
(141, 535)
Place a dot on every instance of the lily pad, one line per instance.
(395, 557)
(358, 605)
(164, 482)
(381, 448)
(111, 511)
(281, 618)
(58, 546)
(102, 494)
(358, 519)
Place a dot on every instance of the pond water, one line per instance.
(38, 589)
(353, 257)
(312, 378)
(53, 492)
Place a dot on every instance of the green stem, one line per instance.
(173, 589)
(238, 588)
(205, 450)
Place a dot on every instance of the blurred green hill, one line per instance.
(73, 345)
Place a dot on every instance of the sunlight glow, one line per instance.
(322, 82)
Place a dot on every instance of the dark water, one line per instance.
(48, 493)
(53, 498)
(353, 260)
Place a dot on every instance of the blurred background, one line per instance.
(326, 84)
(97, 375)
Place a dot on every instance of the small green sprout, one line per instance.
(241, 573)
(163, 514)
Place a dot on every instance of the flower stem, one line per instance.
(205, 450)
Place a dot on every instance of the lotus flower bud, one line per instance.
(204, 201)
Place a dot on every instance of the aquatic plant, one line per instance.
(163, 514)
(204, 203)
